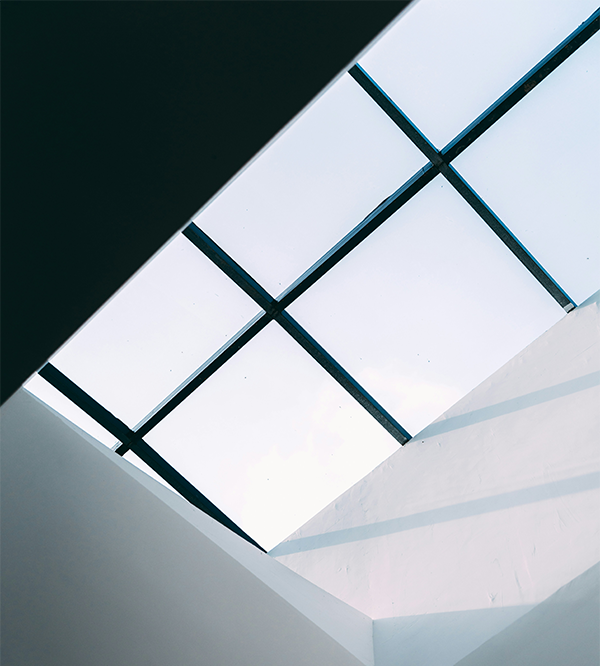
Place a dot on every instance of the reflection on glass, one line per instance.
(155, 332)
(329, 170)
(271, 438)
(41, 389)
(537, 168)
(427, 308)
(445, 62)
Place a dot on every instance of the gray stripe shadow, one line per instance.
(468, 509)
(473, 507)
(513, 405)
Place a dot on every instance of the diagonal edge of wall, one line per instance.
(484, 514)
(102, 564)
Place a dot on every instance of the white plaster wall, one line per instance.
(563, 629)
(483, 515)
(103, 565)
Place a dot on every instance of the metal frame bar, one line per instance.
(134, 443)
(274, 309)
(525, 85)
(442, 164)
(202, 374)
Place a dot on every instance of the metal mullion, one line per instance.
(515, 94)
(374, 220)
(186, 489)
(261, 296)
(203, 373)
(507, 237)
(463, 188)
(393, 111)
(230, 267)
(85, 402)
(132, 441)
(328, 363)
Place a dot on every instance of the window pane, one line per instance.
(445, 62)
(271, 438)
(427, 307)
(307, 190)
(41, 389)
(155, 332)
(537, 168)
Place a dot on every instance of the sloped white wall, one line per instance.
(483, 515)
(563, 629)
(102, 565)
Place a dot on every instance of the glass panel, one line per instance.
(329, 170)
(427, 307)
(41, 389)
(271, 439)
(155, 332)
(445, 62)
(537, 168)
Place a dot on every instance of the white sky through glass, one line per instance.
(271, 438)
(155, 332)
(336, 163)
(537, 169)
(445, 62)
(427, 307)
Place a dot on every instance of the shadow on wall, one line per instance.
(513, 405)
(438, 638)
(473, 507)
(468, 509)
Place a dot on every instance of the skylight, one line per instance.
(355, 280)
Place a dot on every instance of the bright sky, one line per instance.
(420, 313)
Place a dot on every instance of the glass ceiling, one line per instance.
(355, 281)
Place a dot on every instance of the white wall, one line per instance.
(102, 565)
(483, 515)
(563, 629)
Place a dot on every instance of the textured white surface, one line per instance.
(491, 508)
(563, 629)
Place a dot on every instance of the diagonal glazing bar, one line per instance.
(232, 269)
(525, 85)
(393, 111)
(273, 306)
(373, 221)
(462, 187)
(274, 309)
(289, 324)
(85, 402)
(507, 237)
(132, 441)
(203, 373)
(186, 489)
